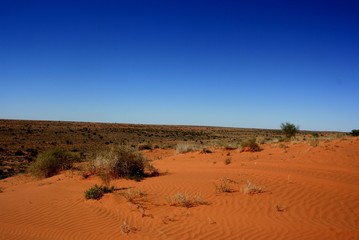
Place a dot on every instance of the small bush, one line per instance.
(124, 162)
(224, 185)
(96, 192)
(250, 188)
(132, 195)
(250, 145)
(289, 129)
(354, 132)
(182, 200)
(51, 162)
(185, 148)
(314, 142)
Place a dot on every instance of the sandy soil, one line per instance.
(309, 193)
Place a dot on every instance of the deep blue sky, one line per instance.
(224, 63)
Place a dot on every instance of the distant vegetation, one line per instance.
(51, 162)
(355, 132)
(22, 140)
(289, 129)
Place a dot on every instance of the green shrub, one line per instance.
(251, 145)
(355, 132)
(96, 192)
(125, 162)
(289, 129)
(50, 162)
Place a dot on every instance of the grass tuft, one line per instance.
(96, 192)
(182, 200)
(224, 185)
(250, 188)
(250, 145)
(185, 148)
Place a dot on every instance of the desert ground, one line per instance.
(288, 190)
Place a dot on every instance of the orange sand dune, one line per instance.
(310, 193)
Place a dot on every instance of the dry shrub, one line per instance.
(224, 185)
(133, 195)
(50, 162)
(182, 200)
(123, 162)
(314, 142)
(250, 145)
(260, 140)
(250, 188)
(186, 147)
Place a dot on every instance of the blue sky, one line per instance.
(221, 63)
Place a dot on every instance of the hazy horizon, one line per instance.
(240, 64)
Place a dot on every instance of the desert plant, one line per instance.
(289, 129)
(314, 142)
(96, 192)
(355, 132)
(182, 200)
(185, 148)
(133, 195)
(223, 186)
(250, 188)
(125, 162)
(315, 135)
(51, 162)
(250, 145)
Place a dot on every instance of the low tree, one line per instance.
(289, 129)
(355, 132)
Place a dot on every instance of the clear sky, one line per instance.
(221, 63)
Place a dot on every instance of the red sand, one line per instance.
(310, 193)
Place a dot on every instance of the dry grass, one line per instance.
(250, 188)
(182, 200)
(133, 195)
(314, 142)
(186, 147)
(250, 145)
(224, 185)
